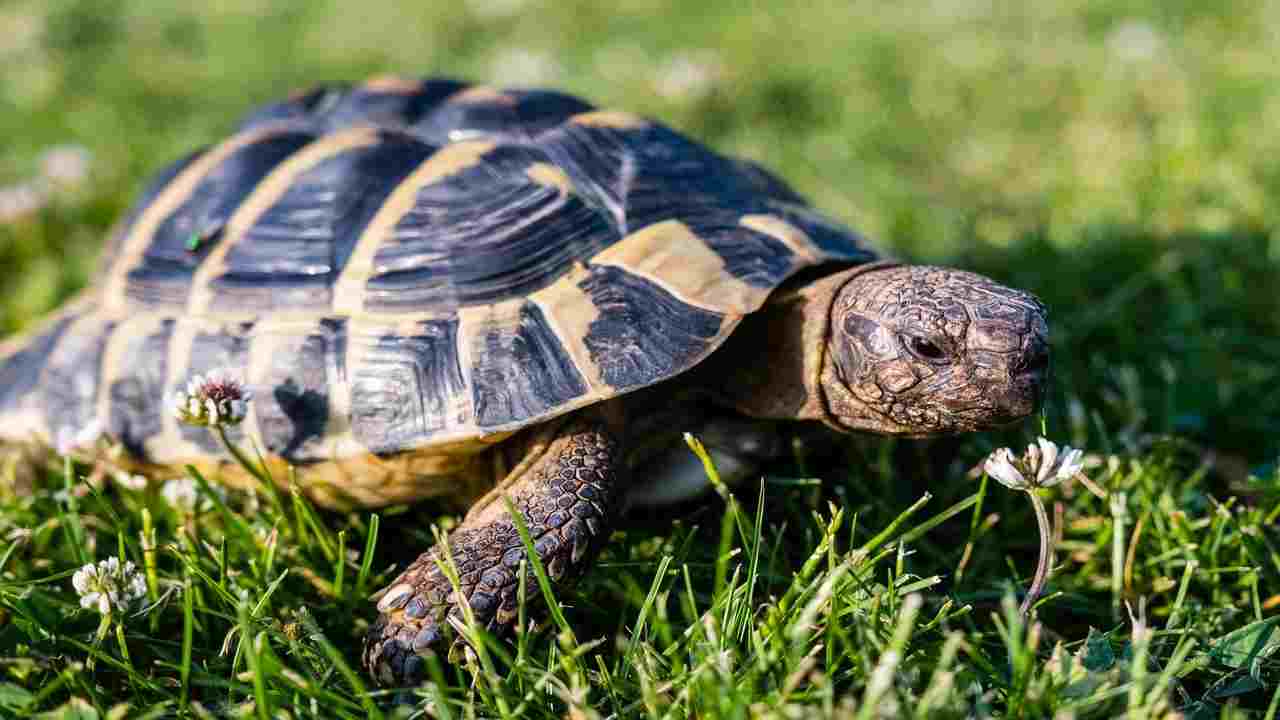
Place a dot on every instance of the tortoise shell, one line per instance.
(412, 265)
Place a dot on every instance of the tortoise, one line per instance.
(449, 290)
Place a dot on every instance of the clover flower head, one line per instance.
(66, 165)
(71, 439)
(1003, 466)
(181, 493)
(1043, 464)
(1053, 464)
(689, 76)
(130, 481)
(109, 586)
(218, 398)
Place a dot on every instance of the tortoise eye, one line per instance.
(925, 349)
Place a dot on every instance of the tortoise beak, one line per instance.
(1028, 381)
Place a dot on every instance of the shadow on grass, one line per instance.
(1158, 335)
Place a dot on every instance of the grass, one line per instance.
(1115, 158)
(767, 600)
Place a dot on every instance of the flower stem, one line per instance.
(258, 472)
(238, 454)
(148, 535)
(124, 646)
(1046, 553)
(104, 626)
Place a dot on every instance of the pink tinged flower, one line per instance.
(218, 398)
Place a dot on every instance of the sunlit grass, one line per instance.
(761, 603)
(1114, 158)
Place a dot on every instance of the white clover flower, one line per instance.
(1043, 464)
(216, 399)
(130, 481)
(108, 586)
(71, 439)
(66, 165)
(1134, 41)
(1002, 466)
(181, 493)
(522, 67)
(689, 76)
(18, 201)
(1053, 465)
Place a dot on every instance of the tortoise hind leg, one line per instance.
(567, 495)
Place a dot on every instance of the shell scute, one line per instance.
(519, 366)
(643, 333)
(644, 174)
(299, 365)
(437, 111)
(156, 185)
(484, 112)
(21, 371)
(72, 375)
(406, 383)
(382, 101)
(135, 372)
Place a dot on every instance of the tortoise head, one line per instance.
(918, 350)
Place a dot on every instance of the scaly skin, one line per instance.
(919, 350)
(567, 497)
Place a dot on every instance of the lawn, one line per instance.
(1116, 158)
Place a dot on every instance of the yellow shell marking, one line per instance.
(784, 232)
(391, 84)
(549, 175)
(481, 94)
(608, 119)
(569, 311)
(673, 257)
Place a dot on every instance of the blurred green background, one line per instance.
(1117, 158)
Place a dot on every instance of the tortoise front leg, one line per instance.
(566, 493)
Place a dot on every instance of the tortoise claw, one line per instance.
(566, 501)
(390, 656)
(414, 621)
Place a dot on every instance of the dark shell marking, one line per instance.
(407, 385)
(414, 264)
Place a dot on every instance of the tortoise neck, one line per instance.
(772, 364)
